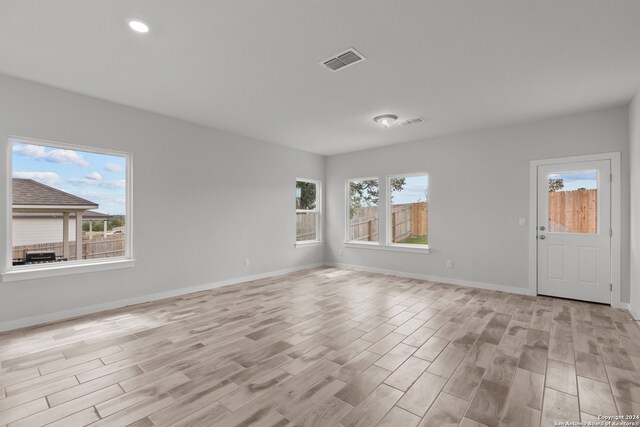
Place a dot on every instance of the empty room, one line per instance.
(348, 213)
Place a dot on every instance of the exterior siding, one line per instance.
(29, 231)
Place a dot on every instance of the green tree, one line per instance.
(95, 226)
(116, 221)
(555, 184)
(367, 192)
(305, 195)
(396, 185)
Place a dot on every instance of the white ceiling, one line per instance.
(251, 66)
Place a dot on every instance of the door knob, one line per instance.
(542, 228)
(542, 237)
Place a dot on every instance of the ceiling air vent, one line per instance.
(412, 121)
(343, 60)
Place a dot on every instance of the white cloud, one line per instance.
(53, 155)
(47, 178)
(82, 181)
(118, 183)
(115, 183)
(113, 167)
(95, 176)
(113, 204)
(32, 151)
(67, 156)
(88, 193)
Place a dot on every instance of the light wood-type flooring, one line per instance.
(326, 347)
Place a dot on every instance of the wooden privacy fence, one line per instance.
(364, 224)
(306, 224)
(407, 220)
(573, 211)
(112, 246)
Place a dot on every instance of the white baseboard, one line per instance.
(450, 280)
(623, 305)
(635, 312)
(69, 314)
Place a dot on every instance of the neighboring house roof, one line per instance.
(96, 216)
(88, 215)
(27, 192)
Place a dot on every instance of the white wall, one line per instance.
(204, 200)
(232, 198)
(32, 231)
(479, 187)
(634, 160)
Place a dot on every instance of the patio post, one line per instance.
(65, 235)
(78, 235)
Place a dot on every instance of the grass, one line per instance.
(415, 240)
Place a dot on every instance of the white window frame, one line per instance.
(13, 273)
(318, 241)
(384, 233)
(388, 225)
(347, 226)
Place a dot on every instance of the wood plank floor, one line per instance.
(326, 347)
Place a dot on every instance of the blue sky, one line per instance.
(574, 180)
(414, 190)
(96, 177)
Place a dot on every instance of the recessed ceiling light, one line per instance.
(139, 26)
(385, 120)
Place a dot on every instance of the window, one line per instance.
(362, 204)
(69, 206)
(408, 210)
(573, 202)
(307, 211)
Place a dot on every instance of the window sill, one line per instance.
(308, 243)
(17, 274)
(393, 248)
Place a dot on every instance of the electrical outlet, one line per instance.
(246, 262)
(341, 252)
(522, 222)
(449, 263)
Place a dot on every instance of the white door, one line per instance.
(573, 230)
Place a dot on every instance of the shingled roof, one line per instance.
(27, 192)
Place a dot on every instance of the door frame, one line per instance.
(616, 219)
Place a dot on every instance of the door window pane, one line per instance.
(573, 202)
